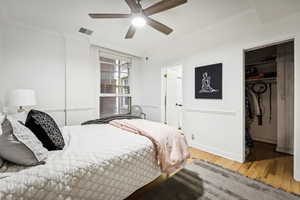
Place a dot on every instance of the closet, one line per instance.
(269, 96)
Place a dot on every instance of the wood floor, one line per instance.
(263, 164)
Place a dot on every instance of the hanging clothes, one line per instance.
(249, 120)
(270, 103)
(253, 101)
(259, 88)
(253, 109)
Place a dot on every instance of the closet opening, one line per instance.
(269, 102)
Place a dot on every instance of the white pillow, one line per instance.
(19, 145)
(65, 131)
(1, 118)
(19, 116)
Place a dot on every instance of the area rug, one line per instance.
(203, 181)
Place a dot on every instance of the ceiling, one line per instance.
(67, 16)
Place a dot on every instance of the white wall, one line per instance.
(94, 60)
(63, 70)
(151, 89)
(81, 85)
(135, 81)
(297, 110)
(1, 61)
(35, 60)
(51, 64)
(218, 125)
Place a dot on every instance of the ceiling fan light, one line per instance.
(138, 21)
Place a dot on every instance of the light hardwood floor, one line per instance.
(263, 164)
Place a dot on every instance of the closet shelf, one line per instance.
(261, 63)
(262, 79)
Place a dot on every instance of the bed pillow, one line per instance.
(19, 145)
(45, 129)
(20, 117)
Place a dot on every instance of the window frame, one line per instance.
(117, 93)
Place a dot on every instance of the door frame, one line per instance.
(254, 47)
(164, 91)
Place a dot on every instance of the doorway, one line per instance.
(172, 96)
(269, 100)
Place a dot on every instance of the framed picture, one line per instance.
(208, 82)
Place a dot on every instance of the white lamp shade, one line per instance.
(22, 97)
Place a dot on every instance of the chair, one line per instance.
(137, 111)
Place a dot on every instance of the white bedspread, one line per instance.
(99, 162)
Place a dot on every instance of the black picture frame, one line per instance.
(209, 81)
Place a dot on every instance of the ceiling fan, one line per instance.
(140, 17)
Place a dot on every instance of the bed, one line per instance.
(98, 162)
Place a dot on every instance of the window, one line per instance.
(115, 91)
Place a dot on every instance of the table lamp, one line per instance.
(22, 98)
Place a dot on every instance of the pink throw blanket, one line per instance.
(171, 145)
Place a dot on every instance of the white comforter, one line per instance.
(99, 162)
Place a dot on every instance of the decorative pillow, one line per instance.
(19, 145)
(45, 129)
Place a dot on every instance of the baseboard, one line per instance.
(266, 140)
(285, 150)
(227, 155)
(297, 178)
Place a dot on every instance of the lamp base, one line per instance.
(21, 109)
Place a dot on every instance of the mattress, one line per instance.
(99, 162)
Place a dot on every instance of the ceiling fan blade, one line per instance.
(159, 26)
(108, 16)
(162, 6)
(134, 7)
(130, 32)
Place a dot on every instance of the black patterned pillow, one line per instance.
(45, 129)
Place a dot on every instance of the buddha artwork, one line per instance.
(208, 82)
(206, 87)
